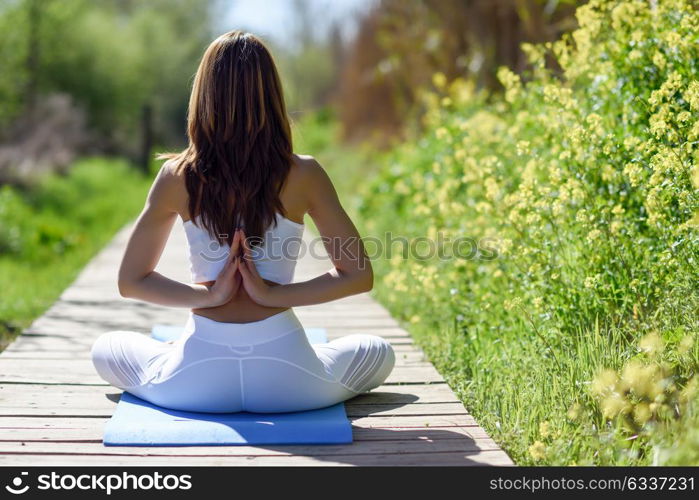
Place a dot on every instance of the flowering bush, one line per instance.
(582, 181)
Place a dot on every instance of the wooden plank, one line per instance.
(92, 426)
(104, 407)
(93, 433)
(475, 458)
(48, 343)
(409, 394)
(394, 335)
(428, 409)
(28, 397)
(345, 312)
(414, 421)
(357, 322)
(81, 371)
(458, 443)
(418, 433)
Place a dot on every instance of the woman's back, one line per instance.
(242, 348)
(241, 308)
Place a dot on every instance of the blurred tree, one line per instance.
(34, 20)
(113, 57)
(401, 44)
(309, 67)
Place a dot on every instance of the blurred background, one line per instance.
(113, 76)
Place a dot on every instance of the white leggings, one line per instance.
(263, 367)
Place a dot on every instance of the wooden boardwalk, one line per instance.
(53, 405)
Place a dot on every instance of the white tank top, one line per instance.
(275, 258)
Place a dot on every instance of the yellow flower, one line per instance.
(492, 189)
(504, 245)
(672, 38)
(537, 450)
(642, 380)
(522, 147)
(594, 235)
(401, 187)
(652, 344)
(439, 80)
(533, 219)
(631, 142)
(511, 304)
(535, 53)
(604, 383)
(684, 117)
(614, 405)
(638, 36)
(686, 344)
(689, 391)
(635, 54)
(582, 216)
(595, 122)
(691, 95)
(608, 173)
(574, 411)
(633, 172)
(483, 207)
(556, 94)
(642, 413)
(510, 81)
(625, 13)
(659, 60)
(544, 429)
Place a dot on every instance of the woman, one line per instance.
(242, 196)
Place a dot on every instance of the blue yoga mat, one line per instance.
(139, 423)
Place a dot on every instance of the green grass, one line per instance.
(52, 228)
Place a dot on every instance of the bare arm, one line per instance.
(352, 271)
(137, 276)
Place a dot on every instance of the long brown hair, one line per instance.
(240, 148)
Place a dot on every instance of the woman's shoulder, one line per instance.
(306, 178)
(171, 171)
(307, 169)
(169, 188)
(304, 162)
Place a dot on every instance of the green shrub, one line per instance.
(582, 184)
